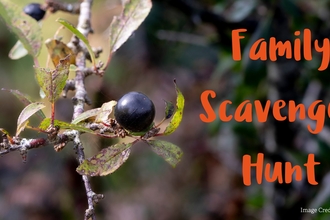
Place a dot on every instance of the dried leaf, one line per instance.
(59, 50)
(76, 32)
(107, 161)
(105, 111)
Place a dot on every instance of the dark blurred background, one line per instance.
(190, 41)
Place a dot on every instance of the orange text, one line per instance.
(270, 49)
(316, 112)
(276, 173)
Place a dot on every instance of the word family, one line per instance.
(270, 49)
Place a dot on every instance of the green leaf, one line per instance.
(122, 26)
(52, 82)
(75, 31)
(86, 115)
(105, 111)
(26, 113)
(25, 99)
(169, 109)
(170, 152)
(63, 125)
(18, 51)
(176, 120)
(26, 28)
(107, 161)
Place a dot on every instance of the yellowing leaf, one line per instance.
(26, 28)
(122, 26)
(26, 113)
(59, 50)
(176, 120)
(107, 161)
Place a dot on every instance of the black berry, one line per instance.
(135, 112)
(34, 11)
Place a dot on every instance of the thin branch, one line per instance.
(80, 98)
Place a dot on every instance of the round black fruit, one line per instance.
(135, 112)
(34, 11)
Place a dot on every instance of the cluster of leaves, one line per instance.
(98, 121)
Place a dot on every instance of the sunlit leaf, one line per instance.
(105, 111)
(26, 28)
(18, 51)
(25, 99)
(86, 115)
(107, 161)
(63, 125)
(123, 25)
(176, 120)
(76, 32)
(26, 113)
(169, 109)
(170, 152)
(52, 82)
